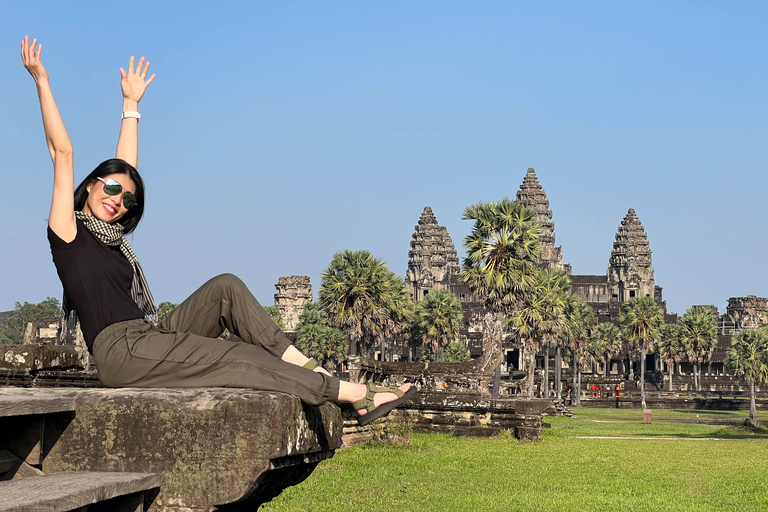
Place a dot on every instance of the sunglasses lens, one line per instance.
(129, 200)
(112, 188)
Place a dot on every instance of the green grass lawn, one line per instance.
(667, 465)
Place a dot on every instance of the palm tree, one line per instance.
(581, 319)
(670, 348)
(641, 319)
(502, 252)
(699, 336)
(588, 354)
(363, 298)
(747, 358)
(539, 314)
(315, 339)
(607, 339)
(438, 319)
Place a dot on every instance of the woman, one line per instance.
(104, 283)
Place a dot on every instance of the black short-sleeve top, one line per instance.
(97, 281)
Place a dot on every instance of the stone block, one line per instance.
(214, 447)
(43, 357)
(527, 433)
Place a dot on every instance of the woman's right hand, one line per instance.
(31, 58)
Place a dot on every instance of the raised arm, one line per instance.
(133, 83)
(62, 216)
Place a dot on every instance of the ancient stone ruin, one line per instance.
(532, 195)
(432, 258)
(293, 293)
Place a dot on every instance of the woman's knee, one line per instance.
(226, 282)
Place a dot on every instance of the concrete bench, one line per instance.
(81, 491)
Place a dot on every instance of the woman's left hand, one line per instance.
(134, 82)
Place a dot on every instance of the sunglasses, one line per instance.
(113, 188)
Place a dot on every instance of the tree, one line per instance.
(164, 309)
(315, 339)
(747, 358)
(438, 319)
(363, 298)
(539, 314)
(457, 352)
(502, 252)
(588, 354)
(670, 348)
(641, 318)
(581, 319)
(276, 315)
(607, 341)
(13, 323)
(698, 328)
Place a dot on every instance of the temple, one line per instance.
(433, 264)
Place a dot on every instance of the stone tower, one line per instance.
(630, 272)
(432, 259)
(746, 312)
(532, 195)
(293, 293)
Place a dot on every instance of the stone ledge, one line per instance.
(213, 446)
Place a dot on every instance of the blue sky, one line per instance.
(277, 133)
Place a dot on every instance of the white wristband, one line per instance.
(131, 113)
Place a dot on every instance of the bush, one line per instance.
(457, 352)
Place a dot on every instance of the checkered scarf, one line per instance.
(112, 235)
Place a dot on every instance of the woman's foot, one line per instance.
(381, 397)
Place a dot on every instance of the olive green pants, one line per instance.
(183, 352)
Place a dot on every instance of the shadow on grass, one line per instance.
(707, 412)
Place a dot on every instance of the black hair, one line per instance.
(115, 166)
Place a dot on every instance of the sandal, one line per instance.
(374, 412)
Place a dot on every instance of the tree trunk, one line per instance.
(545, 380)
(576, 388)
(605, 366)
(752, 405)
(642, 376)
(671, 370)
(531, 373)
(383, 347)
(698, 379)
(353, 348)
(579, 395)
(558, 373)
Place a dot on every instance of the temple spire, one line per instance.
(533, 196)
(432, 259)
(630, 270)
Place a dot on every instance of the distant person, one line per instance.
(104, 283)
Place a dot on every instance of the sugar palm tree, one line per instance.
(502, 252)
(438, 319)
(315, 339)
(363, 298)
(641, 318)
(670, 348)
(747, 358)
(540, 313)
(607, 339)
(581, 320)
(699, 335)
(588, 354)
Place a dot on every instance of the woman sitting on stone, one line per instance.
(104, 284)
